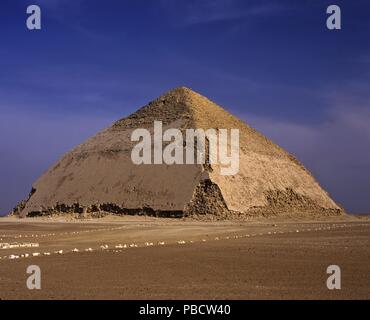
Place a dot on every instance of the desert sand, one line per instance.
(153, 258)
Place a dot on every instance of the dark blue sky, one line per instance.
(272, 63)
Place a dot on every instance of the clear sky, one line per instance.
(272, 63)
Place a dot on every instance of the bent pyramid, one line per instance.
(98, 176)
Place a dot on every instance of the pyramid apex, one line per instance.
(182, 90)
(184, 94)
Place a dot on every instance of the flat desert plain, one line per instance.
(153, 258)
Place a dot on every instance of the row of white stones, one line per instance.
(6, 245)
(19, 236)
(119, 247)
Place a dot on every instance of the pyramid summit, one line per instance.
(99, 177)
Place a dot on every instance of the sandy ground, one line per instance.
(176, 259)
